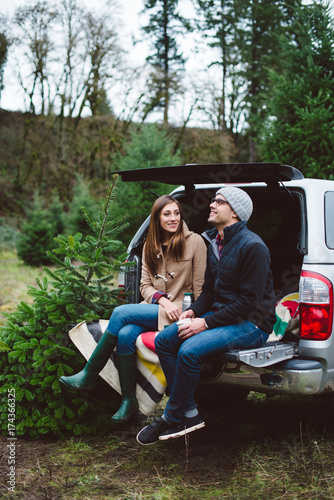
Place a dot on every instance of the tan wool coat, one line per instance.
(176, 278)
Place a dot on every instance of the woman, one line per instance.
(174, 261)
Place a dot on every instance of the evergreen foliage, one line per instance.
(3, 54)
(55, 214)
(4, 46)
(300, 128)
(35, 347)
(37, 235)
(218, 21)
(164, 26)
(150, 146)
(259, 25)
(245, 33)
(75, 220)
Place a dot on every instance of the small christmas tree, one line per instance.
(37, 235)
(36, 349)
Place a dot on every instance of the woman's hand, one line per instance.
(172, 310)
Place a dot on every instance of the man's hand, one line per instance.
(187, 314)
(194, 326)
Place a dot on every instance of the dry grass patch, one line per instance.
(15, 278)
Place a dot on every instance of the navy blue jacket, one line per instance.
(239, 285)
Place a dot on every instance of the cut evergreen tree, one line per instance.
(36, 349)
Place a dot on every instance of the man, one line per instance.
(236, 310)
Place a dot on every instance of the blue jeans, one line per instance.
(181, 360)
(127, 322)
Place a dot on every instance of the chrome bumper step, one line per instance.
(269, 354)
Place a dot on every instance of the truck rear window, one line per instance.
(329, 221)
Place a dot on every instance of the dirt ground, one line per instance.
(272, 438)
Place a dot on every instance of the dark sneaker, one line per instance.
(150, 434)
(184, 427)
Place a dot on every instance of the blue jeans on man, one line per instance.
(181, 360)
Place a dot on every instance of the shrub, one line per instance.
(37, 235)
(75, 221)
(56, 216)
(36, 349)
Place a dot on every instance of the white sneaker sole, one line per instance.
(182, 432)
(145, 444)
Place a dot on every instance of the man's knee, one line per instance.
(166, 338)
(190, 354)
(158, 342)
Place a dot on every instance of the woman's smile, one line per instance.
(170, 219)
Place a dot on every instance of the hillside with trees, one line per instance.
(266, 93)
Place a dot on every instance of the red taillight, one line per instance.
(316, 306)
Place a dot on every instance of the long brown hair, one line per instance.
(154, 238)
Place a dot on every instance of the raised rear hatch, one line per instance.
(215, 173)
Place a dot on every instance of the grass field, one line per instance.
(15, 277)
(276, 449)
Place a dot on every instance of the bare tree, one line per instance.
(4, 45)
(221, 114)
(102, 55)
(70, 50)
(216, 21)
(34, 38)
(65, 56)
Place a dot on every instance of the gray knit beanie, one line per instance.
(239, 200)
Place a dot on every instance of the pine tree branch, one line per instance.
(111, 188)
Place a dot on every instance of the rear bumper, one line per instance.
(295, 376)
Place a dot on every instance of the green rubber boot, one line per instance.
(127, 364)
(86, 379)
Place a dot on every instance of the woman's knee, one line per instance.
(114, 316)
(128, 332)
(127, 337)
(118, 312)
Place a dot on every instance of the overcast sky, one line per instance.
(129, 13)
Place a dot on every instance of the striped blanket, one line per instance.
(287, 317)
(151, 382)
